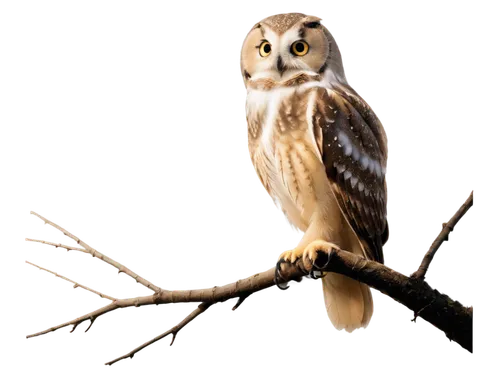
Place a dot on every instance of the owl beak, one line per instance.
(280, 66)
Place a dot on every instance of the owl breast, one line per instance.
(285, 150)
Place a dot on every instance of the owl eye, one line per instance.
(299, 48)
(265, 48)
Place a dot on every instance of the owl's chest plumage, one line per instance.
(284, 149)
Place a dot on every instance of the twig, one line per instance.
(241, 299)
(94, 253)
(92, 316)
(174, 331)
(443, 236)
(74, 283)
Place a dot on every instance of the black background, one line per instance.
(126, 123)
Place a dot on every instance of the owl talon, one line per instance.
(318, 254)
(315, 275)
(278, 279)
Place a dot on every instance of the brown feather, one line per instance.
(355, 157)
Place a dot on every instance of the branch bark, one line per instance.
(448, 315)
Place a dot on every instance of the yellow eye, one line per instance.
(265, 48)
(299, 48)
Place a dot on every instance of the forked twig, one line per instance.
(202, 307)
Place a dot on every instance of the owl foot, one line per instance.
(285, 259)
(312, 257)
(292, 255)
(314, 254)
(309, 254)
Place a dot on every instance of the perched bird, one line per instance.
(318, 149)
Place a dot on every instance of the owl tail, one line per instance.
(348, 302)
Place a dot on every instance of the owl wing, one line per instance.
(354, 151)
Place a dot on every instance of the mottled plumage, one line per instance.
(354, 155)
(318, 149)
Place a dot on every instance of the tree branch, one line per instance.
(417, 295)
(443, 236)
(447, 315)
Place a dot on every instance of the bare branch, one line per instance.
(94, 253)
(443, 236)
(76, 322)
(174, 330)
(447, 315)
(74, 283)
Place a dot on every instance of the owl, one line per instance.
(319, 150)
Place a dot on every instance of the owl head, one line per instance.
(285, 45)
